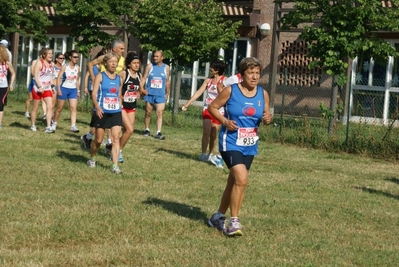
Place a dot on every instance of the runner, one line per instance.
(130, 94)
(68, 88)
(106, 100)
(246, 106)
(210, 125)
(43, 88)
(5, 68)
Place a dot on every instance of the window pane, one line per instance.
(363, 69)
(368, 103)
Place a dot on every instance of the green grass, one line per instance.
(303, 207)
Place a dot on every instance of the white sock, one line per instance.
(109, 141)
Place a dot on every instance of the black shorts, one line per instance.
(232, 158)
(3, 98)
(108, 120)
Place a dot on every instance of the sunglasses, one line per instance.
(61, 58)
(75, 57)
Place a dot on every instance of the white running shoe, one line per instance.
(74, 129)
(91, 163)
(49, 129)
(33, 128)
(27, 115)
(217, 161)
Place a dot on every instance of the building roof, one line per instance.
(231, 9)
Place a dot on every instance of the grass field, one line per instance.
(302, 207)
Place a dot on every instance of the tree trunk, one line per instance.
(333, 107)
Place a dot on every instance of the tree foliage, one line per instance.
(186, 30)
(87, 19)
(24, 16)
(338, 30)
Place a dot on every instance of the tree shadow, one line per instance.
(377, 192)
(190, 212)
(393, 180)
(179, 154)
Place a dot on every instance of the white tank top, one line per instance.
(3, 75)
(69, 77)
(45, 76)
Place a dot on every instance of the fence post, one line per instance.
(282, 100)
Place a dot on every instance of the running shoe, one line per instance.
(33, 128)
(217, 221)
(54, 125)
(74, 129)
(234, 228)
(159, 136)
(108, 148)
(86, 142)
(216, 160)
(120, 159)
(91, 163)
(203, 157)
(49, 129)
(146, 133)
(115, 169)
(27, 115)
(44, 116)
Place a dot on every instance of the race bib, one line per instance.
(46, 86)
(2, 77)
(130, 97)
(156, 83)
(111, 103)
(70, 79)
(247, 136)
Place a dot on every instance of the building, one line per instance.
(374, 87)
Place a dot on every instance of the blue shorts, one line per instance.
(30, 86)
(155, 99)
(67, 93)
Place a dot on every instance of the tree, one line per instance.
(186, 30)
(338, 31)
(24, 16)
(87, 19)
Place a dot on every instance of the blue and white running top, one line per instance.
(69, 77)
(247, 112)
(156, 81)
(96, 70)
(108, 94)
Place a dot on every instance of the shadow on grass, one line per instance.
(22, 113)
(377, 192)
(190, 212)
(393, 180)
(77, 158)
(179, 153)
(73, 136)
(20, 125)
